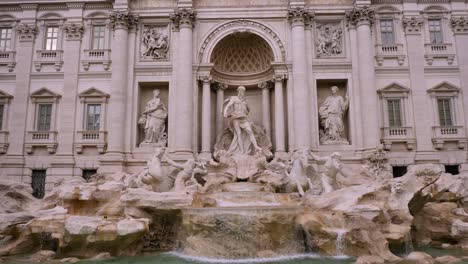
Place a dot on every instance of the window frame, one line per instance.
(449, 91)
(395, 91)
(430, 32)
(43, 96)
(92, 21)
(400, 112)
(7, 40)
(46, 22)
(450, 111)
(89, 97)
(393, 33)
(102, 39)
(55, 37)
(5, 100)
(87, 116)
(38, 117)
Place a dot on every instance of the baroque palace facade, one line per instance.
(77, 80)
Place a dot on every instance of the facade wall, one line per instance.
(120, 78)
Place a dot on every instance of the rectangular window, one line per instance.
(5, 39)
(87, 174)
(38, 183)
(99, 33)
(445, 112)
(2, 109)
(386, 31)
(93, 116)
(51, 38)
(44, 117)
(394, 112)
(435, 31)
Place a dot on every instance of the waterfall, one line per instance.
(340, 243)
(408, 243)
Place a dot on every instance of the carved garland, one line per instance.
(242, 23)
(360, 15)
(412, 25)
(122, 19)
(73, 31)
(26, 32)
(459, 24)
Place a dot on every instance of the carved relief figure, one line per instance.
(331, 114)
(155, 43)
(185, 179)
(237, 112)
(333, 166)
(153, 118)
(329, 40)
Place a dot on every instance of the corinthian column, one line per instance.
(301, 108)
(121, 22)
(265, 86)
(220, 87)
(279, 114)
(363, 18)
(183, 20)
(206, 116)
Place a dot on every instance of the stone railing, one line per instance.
(51, 57)
(3, 142)
(442, 50)
(389, 52)
(91, 138)
(96, 57)
(8, 58)
(398, 135)
(442, 134)
(46, 139)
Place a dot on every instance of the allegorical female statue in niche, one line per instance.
(154, 119)
(331, 114)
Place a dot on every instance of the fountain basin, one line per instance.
(241, 232)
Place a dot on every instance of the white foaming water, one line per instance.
(340, 242)
(408, 243)
(246, 260)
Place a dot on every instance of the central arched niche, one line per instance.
(242, 58)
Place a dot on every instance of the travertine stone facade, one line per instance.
(75, 77)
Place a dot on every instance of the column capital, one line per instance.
(221, 86)
(299, 16)
(73, 31)
(459, 25)
(122, 20)
(182, 17)
(279, 77)
(26, 32)
(360, 16)
(205, 78)
(265, 85)
(412, 25)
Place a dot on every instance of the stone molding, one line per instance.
(299, 16)
(73, 31)
(413, 25)
(360, 16)
(183, 17)
(122, 20)
(241, 25)
(459, 24)
(26, 32)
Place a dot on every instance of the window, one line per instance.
(44, 117)
(399, 171)
(87, 174)
(2, 109)
(5, 39)
(93, 115)
(452, 169)
(386, 31)
(394, 112)
(435, 31)
(98, 37)
(51, 38)
(38, 183)
(445, 112)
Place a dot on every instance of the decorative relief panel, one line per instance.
(155, 42)
(329, 38)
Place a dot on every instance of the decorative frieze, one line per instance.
(329, 40)
(26, 32)
(183, 17)
(360, 15)
(155, 42)
(459, 25)
(73, 31)
(122, 20)
(299, 15)
(413, 25)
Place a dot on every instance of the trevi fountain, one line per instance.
(348, 164)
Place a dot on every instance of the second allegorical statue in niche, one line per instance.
(154, 120)
(331, 114)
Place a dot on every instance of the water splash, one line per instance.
(246, 260)
(340, 242)
(408, 243)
